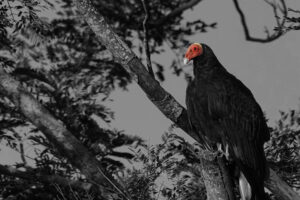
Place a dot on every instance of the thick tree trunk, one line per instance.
(161, 98)
(66, 144)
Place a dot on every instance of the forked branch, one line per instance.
(280, 22)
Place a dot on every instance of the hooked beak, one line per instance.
(186, 61)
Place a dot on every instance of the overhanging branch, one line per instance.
(269, 38)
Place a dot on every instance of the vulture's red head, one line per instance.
(193, 51)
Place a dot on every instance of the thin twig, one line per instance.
(294, 11)
(73, 193)
(21, 146)
(146, 38)
(271, 37)
(123, 193)
(22, 153)
(277, 7)
(59, 191)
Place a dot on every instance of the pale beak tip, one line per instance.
(185, 61)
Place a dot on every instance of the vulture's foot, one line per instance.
(223, 152)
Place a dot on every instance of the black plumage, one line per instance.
(223, 110)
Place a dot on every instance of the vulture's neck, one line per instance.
(205, 67)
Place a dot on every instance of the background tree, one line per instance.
(283, 149)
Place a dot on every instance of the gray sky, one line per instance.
(270, 70)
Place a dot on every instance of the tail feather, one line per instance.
(253, 191)
(245, 188)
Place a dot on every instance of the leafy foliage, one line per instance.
(169, 170)
(172, 168)
(283, 149)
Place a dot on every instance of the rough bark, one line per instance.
(164, 101)
(211, 174)
(57, 134)
(280, 188)
(43, 178)
(226, 177)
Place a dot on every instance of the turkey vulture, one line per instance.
(223, 111)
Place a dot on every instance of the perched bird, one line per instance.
(223, 111)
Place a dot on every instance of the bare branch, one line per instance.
(44, 178)
(294, 11)
(177, 11)
(146, 38)
(22, 153)
(282, 9)
(21, 147)
(269, 37)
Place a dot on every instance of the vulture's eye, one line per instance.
(195, 48)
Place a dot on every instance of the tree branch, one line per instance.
(48, 179)
(164, 101)
(177, 11)
(146, 38)
(269, 38)
(58, 135)
(22, 153)
(123, 54)
(279, 188)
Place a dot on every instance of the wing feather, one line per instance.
(225, 109)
